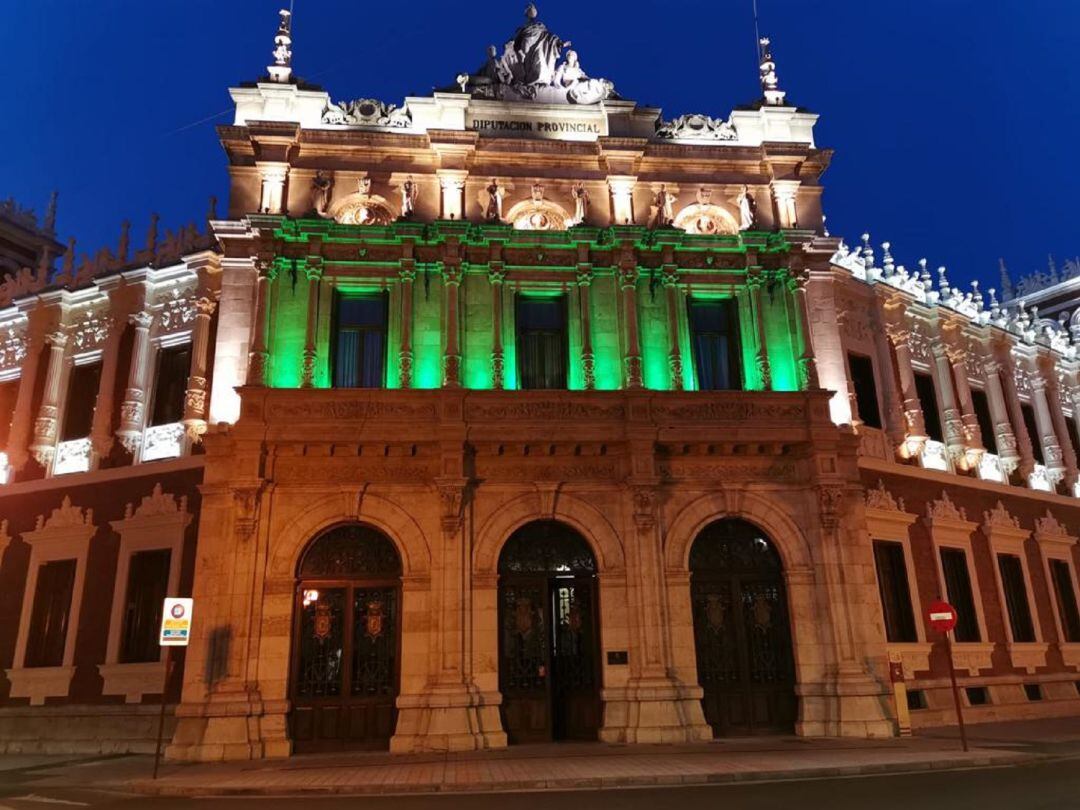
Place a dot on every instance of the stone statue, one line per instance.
(530, 57)
(409, 193)
(747, 209)
(494, 210)
(663, 207)
(581, 203)
(364, 186)
(704, 196)
(538, 192)
(321, 186)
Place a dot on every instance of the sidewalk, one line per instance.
(576, 766)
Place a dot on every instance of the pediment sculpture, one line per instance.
(367, 112)
(535, 65)
(696, 127)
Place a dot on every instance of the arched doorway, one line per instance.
(742, 634)
(346, 641)
(549, 650)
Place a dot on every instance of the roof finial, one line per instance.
(770, 82)
(281, 70)
(1006, 282)
(50, 214)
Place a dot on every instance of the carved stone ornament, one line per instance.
(65, 516)
(90, 331)
(177, 309)
(945, 509)
(1050, 526)
(645, 499)
(12, 345)
(156, 503)
(451, 502)
(1000, 517)
(830, 503)
(880, 498)
(367, 112)
(696, 127)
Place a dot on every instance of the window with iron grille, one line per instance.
(714, 335)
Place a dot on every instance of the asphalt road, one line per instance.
(1041, 786)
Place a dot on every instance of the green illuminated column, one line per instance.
(407, 274)
(313, 269)
(628, 276)
(588, 359)
(496, 277)
(800, 314)
(452, 353)
(756, 280)
(671, 290)
(259, 354)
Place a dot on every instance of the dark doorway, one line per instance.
(346, 642)
(549, 641)
(741, 632)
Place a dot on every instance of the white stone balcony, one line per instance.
(72, 457)
(991, 469)
(163, 441)
(935, 456)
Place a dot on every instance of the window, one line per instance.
(1074, 435)
(82, 395)
(1066, 600)
(541, 342)
(1033, 432)
(916, 699)
(977, 695)
(173, 365)
(958, 588)
(360, 341)
(866, 399)
(986, 423)
(49, 617)
(1016, 599)
(714, 334)
(895, 593)
(8, 391)
(1033, 691)
(148, 580)
(927, 393)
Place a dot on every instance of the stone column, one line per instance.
(1061, 427)
(101, 435)
(1052, 453)
(22, 421)
(974, 449)
(132, 410)
(407, 274)
(914, 425)
(808, 375)
(670, 280)
(452, 184)
(451, 274)
(1016, 415)
(588, 357)
(273, 176)
(313, 269)
(999, 413)
(496, 277)
(43, 444)
(953, 427)
(195, 396)
(784, 193)
(628, 276)
(258, 357)
(755, 280)
(622, 199)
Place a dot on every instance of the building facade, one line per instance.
(518, 413)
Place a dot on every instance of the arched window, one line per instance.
(351, 551)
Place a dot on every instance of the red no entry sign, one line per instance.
(941, 616)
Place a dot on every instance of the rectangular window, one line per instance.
(927, 393)
(81, 397)
(8, 391)
(977, 695)
(1016, 598)
(1033, 691)
(1033, 433)
(895, 595)
(148, 581)
(866, 399)
(958, 589)
(49, 617)
(360, 341)
(1074, 435)
(986, 423)
(541, 342)
(173, 365)
(714, 334)
(1066, 600)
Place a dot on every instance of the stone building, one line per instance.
(518, 413)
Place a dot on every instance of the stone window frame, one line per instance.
(71, 360)
(887, 521)
(1056, 544)
(1005, 537)
(65, 535)
(161, 340)
(159, 522)
(949, 528)
(335, 285)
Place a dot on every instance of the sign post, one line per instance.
(175, 632)
(942, 618)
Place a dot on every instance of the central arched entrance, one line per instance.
(346, 641)
(549, 650)
(742, 635)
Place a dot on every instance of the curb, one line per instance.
(164, 788)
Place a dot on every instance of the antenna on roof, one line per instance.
(757, 36)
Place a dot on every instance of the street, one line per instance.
(1039, 786)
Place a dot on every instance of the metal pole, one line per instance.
(956, 692)
(161, 714)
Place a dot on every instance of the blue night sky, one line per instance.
(954, 122)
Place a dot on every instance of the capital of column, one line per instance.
(451, 275)
(496, 274)
(313, 268)
(57, 339)
(628, 277)
(205, 306)
(585, 275)
(669, 276)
